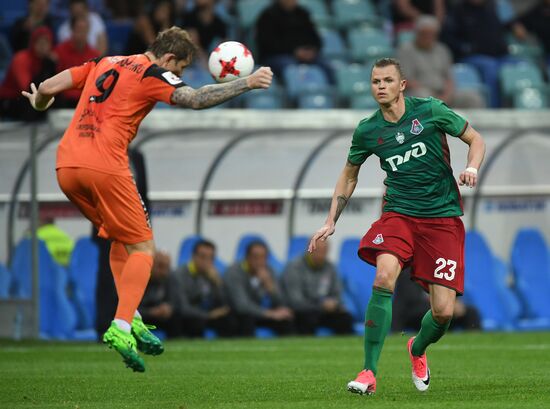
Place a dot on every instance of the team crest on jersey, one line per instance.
(400, 137)
(416, 127)
(379, 239)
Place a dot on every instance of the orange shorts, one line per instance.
(112, 203)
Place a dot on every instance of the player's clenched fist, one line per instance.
(468, 177)
(261, 78)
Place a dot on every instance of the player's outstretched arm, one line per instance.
(42, 98)
(476, 153)
(211, 95)
(342, 193)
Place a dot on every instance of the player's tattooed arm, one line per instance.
(209, 95)
(342, 201)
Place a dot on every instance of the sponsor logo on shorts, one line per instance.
(379, 239)
(416, 127)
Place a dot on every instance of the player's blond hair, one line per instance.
(175, 41)
(385, 62)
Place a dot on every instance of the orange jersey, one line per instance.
(117, 93)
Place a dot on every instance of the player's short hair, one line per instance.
(175, 41)
(255, 243)
(203, 243)
(386, 62)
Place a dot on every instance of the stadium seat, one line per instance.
(317, 10)
(296, 247)
(118, 33)
(304, 79)
(363, 100)
(271, 98)
(531, 98)
(531, 266)
(352, 79)
(83, 269)
(349, 13)
(5, 53)
(405, 36)
(357, 277)
(5, 282)
(484, 286)
(243, 243)
(316, 100)
(196, 77)
(186, 252)
(57, 316)
(249, 11)
(514, 77)
(467, 77)
(368, 44)
(334, 47)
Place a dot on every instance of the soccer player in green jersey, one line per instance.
(420, 224)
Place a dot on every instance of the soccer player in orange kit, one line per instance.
(92, 160)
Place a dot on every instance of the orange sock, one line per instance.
(117, 259)
(132, 284)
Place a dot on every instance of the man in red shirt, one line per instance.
(75, 51)
(92, 160)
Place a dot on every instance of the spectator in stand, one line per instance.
(427, 65)
(97, 35)
(147, 26)
(313, 291)
(124, 9)
(411, 302)
(286, 35)
(204, 25)
(254, 294)
(203, 303)
(405, 12)
(536, 22)
(32, 65)
(59, 244)
(161, 300)
(476, 36)
(73, 52)
(20, 33)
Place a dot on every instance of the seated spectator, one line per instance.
(476, 36)
(313, 291)
(427, 65)
(405, 12)
(203, 303)
(73, 52)
(161, 300)
(20, 33)
(204, 25)
(286, 35)
(147, 26)
(32, 65)
(536, 22)
(97, 34)
(410, 303)
(254, 294)
(59, 244)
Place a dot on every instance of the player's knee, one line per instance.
(147, 247)
(384, 279)
(442, 315)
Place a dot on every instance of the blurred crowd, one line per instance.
(459, 51)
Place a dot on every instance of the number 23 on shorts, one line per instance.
(445, 269)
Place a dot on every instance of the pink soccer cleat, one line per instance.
(365, 383)
(420, 370)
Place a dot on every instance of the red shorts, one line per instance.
(432, 247)
(112, 203)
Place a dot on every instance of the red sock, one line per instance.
(132, 284)
(117, 259)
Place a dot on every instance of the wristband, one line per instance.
(471, 170)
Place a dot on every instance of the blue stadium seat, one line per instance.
(531, 266)
(531, 98)
(353, 80)
(304, 79)
(316, 100)
(186, 252)
(5, 53)
(5, 282)
(118, 33)
(57, 316)
(245, 240)
(249, 11)
(334, 47)
(363, 101)
(515, 76)
(484, 286)
(297, 247)
(272, 98)
(357, 277)
(83, 269)
(196, 77)
(349, 13)
(317, 10)
(368, 44)
(467, 77)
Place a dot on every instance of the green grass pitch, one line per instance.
(468, 371)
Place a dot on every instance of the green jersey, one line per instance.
(415, 156)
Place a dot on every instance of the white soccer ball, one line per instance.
(229, 61)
